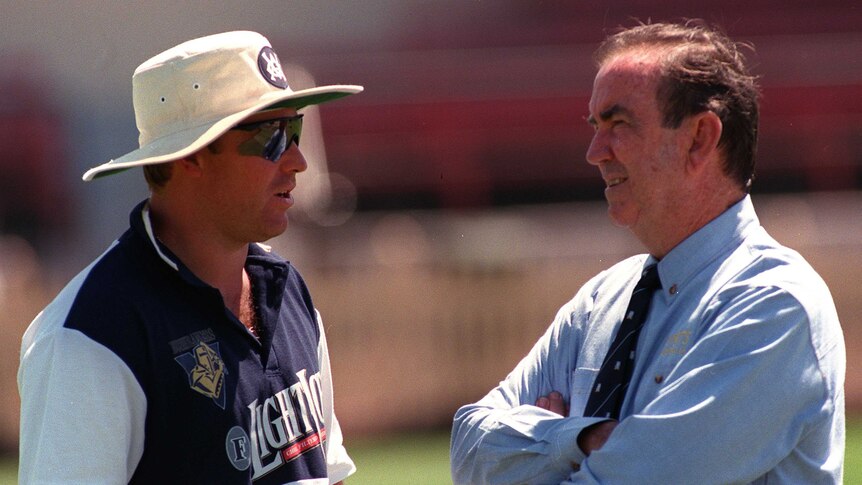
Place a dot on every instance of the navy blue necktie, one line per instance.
(613, 378)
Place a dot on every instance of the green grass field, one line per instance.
(423, 458)
(418, 459)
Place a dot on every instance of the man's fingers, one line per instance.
(556, 404)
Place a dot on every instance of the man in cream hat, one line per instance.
(188, 352)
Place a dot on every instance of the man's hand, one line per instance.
(592, 437)
(554, 403)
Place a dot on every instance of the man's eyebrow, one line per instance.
(609, 113)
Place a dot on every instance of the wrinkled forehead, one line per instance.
(642, 59)
(629, 78)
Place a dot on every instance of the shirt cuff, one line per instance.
(564, 439)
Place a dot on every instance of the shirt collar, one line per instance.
(154, 242)
(259, 254)
(142, 227)
(721, 235)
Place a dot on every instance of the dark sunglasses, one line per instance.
(273, 137)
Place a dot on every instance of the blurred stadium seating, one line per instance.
(471, 111)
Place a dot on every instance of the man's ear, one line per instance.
(706, 132)
(190, 165)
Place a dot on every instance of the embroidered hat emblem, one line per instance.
(270, 68)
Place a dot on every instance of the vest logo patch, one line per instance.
(281, 429)
(206, 371)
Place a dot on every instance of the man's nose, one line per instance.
(599, 150)
(292, 160)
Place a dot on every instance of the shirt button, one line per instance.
(659, 379)
(673, 289)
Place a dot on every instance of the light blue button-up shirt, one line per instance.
(739, 376)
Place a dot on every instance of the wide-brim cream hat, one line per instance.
(187, 96)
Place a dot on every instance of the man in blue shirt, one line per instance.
(188, 352)
(737, 371)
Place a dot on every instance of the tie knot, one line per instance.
(649, 278)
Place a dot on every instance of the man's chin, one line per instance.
(274, 229)
(619, 216)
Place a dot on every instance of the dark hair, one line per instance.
(702, 70)
(158, 175)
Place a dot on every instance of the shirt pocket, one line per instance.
(582, 382)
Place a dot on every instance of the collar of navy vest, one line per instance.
(141, 226)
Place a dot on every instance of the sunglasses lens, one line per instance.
(275, 146)
(273, 137)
